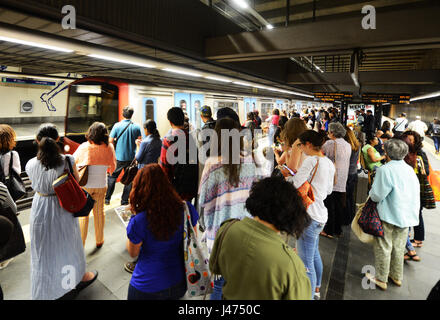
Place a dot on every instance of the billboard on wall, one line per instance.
(250, 104)
(197, 101)
(352, 108)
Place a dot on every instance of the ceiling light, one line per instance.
(218, 79)
(35, 44)
(139, 64)
(269, 26)
(242, 4)
(182, 72)
(242, 84)
(427, 96)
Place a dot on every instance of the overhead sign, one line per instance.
(386, 98)
(333, 96)
(28, 81)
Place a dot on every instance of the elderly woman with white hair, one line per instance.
(396, 190)
(339, 152)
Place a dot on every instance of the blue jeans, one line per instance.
(436, 142)
(409, 246)
(271, 134)
(173, 293)
(217, 292)
(308, 250)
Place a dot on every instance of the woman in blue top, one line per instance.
(155, 236)
(150, 147)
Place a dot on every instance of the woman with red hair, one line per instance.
(155, 236)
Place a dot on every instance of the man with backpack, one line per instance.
(123, 136)
(183, 172)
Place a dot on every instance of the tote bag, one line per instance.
(306, 190)
(357, 230)
(369, 219)
(196, 258)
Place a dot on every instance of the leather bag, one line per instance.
(16, 244)
(130, 173)
(13, 181)
(71, 196)
(83, 175)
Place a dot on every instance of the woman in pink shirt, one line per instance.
(100, 158)
(273, 120)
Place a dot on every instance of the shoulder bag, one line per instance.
(16, 244)
(357, 230)
(369, 220)
(196, 259)
(13, 181)
(115, 141)
(306, 190)
(130, 173)
(427, 199)
(83, 175)
(71, 196)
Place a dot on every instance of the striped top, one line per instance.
(220, 200)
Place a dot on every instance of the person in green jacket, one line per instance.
(252, 258)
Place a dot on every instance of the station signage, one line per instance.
(28, 81)
(386, 98)
(333, 96)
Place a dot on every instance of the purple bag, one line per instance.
(369, 220)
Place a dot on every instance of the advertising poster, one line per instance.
(197, 101)
(250, 104)
(182, 100)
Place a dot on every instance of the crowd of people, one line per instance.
(240, 213)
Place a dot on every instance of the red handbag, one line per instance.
(70, 195)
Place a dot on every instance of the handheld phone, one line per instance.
(288, 169)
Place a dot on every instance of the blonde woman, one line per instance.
(100, 158)
(352, 176)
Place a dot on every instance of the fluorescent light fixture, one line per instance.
(259, 87)
(242, 4)
(182, 72)
(426, 96)
(34, 44)
(88, 89)
(269, 26)
(242, 84)
(139, 64)
(218, 79)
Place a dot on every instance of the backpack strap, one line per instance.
(124, 131)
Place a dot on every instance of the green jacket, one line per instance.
(258, 265)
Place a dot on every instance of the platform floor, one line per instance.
(343, 260)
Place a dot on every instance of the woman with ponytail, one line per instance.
(100, 158)
(58, 265)
(150, 147)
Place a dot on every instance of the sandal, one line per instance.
(326, 235)
(417, 244)
(413, 257)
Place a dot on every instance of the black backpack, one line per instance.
(186, 175)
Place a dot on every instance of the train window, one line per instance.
(149, 110)
(266, 110)
(225, 104)
(87, 105)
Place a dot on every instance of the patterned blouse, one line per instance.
(220, 200)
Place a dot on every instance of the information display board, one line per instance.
(333, 96)
(386, 98)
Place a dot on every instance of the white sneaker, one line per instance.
(4, 264)
(317, 296)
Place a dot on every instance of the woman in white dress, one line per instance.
(58, 265)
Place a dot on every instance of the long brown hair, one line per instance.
(232, 170)
(152, 192)
(352, 140)
(292, 130)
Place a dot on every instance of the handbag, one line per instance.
(71, 196)
(434, 181)
(83, 175)
(357, 230)
(13, 181)
(427, 199)
(196, 259)
(306, 190)
(16, 244)
(369, 220)
(130, 173)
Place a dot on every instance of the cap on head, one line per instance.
(206, 111)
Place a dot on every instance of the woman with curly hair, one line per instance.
(155, 236)
(253, 259)
(319, 171)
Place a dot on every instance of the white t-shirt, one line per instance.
(97, 178)
(401, 124)
(418, 126)
(322, 184)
